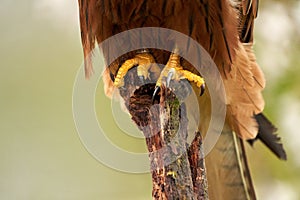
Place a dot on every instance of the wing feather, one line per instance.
(246, 80)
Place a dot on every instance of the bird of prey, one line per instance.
(224, 28)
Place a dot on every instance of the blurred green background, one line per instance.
(41, 154)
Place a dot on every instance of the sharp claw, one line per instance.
(169, 77)
(157, 89)
(202, 89)
(112, 76)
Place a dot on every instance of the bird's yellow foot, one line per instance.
(173, 70)
(144, 62)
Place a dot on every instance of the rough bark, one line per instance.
(177, 169)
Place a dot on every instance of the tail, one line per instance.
(227, 169)
(266, 133)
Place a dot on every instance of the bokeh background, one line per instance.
(41, 154)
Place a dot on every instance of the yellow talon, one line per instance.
(173, 65)
(144, 62)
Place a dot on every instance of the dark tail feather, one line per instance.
(266, 133)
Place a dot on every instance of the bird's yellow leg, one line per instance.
(143, 61)
(175, 71)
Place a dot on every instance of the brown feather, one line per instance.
(106, 18)
(245, 82)
(223, 28)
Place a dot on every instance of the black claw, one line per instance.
(112, 76)
(155, 93)
(202, 89)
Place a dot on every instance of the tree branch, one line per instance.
(177, 169)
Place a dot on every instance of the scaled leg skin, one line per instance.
(173, 70)
(144, 62)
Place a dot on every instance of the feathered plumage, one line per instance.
(225, 29)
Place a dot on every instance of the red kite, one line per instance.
(224, 28)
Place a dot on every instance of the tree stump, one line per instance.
(177, 168)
